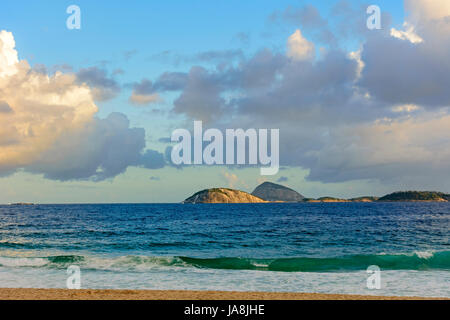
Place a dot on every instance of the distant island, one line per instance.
(271, 192)
(416, 196)
(222, 195)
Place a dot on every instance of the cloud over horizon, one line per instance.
(380, 113)
(48, 123)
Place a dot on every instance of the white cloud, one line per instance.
(299, 48)
(356, 55)
(406, 108)
(407, 34)
(8, 55)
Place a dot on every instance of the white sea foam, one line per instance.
(23, 262)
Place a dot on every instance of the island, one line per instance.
(276, 192)
(222, 195)
(269, 192)
(416, 196)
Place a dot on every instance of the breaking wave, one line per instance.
(414, 261)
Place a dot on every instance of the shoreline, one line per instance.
(116, 294)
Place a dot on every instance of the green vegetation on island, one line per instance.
(416, 196)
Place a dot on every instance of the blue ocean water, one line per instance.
(315, 247)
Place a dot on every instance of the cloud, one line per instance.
(411, 66)
(282, 179)
(8, 55)
(426, 11)
(104, 149)
(48, 124)
(144, 93)
(309, 18)
(103, 87)
(231, 178)
(380, 112)
(299, 48)
(151, 159)
(144, 99)
(201, 98)
(407, 34)
(5, 108)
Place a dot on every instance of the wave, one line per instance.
(415, 261)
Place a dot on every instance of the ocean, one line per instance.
(298, 247)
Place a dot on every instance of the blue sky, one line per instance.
(127, 42)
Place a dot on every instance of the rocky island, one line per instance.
(272, 192)
(275, 192)
(222, 195)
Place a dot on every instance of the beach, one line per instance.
(89, 294)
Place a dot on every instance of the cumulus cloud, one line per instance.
(8, 55)
(48, 124)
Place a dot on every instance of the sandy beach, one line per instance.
(90, 294)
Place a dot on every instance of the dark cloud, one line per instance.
(104, 87)
(282, 179)
(201, 98)
(151, 159)
(5, 108)
(106, 148)
(143, 87)
(400, 72)
(171, 81)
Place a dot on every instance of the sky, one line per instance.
(86, 114)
